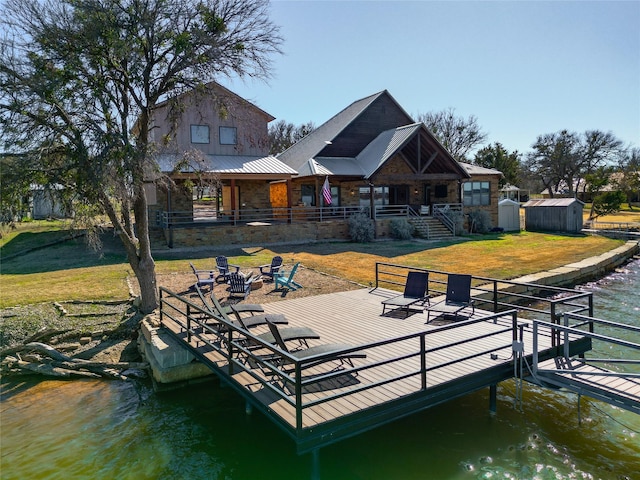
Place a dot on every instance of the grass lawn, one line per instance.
(71, 271)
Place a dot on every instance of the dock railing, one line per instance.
(495, 295)
(233, 350)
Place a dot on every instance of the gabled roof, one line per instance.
(210, 87)
(384, 147)
(361, 138)
(312, 145)
(231, 164)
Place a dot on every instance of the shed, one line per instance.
(509, 215)
(554, 214)
(47, 202)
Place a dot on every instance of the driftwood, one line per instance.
(49, 361)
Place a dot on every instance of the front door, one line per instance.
(398, 194)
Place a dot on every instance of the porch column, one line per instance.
(289, 198)
(233, 199)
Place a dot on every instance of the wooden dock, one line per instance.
(409, 365)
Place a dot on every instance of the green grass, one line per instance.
(72, 271)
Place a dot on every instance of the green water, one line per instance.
(115, 430)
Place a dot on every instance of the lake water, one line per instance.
(115, 430)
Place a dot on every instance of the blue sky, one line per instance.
(523, 68)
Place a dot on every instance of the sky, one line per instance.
(522, 68)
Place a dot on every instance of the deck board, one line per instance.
(355, 317)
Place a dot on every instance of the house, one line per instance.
(376, 156)
(212, 136)
(373, 155)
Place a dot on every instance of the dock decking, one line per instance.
(409, 365)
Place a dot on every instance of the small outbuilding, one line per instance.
(509, 215)
(554, 215)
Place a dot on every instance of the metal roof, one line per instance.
(232, 164)
(346, 166)
(552, 202)
(311, 145)
(478, 170)
(384, 147)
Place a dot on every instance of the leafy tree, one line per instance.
(629, 182)
(283, 134)
(595, 182)
(560, 159)
(606, 203)
(82, 77)
(457, 134)
(14, 188)
(497, 157)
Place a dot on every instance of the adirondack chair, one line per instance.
(224, 269)
(270, 269)
(203, 277)
(284, 279)
(239, 285)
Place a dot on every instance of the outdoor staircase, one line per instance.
(430, 228)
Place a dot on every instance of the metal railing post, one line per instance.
(423, 361)
(188, 323)
(298, 379)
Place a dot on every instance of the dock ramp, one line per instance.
(618, 384)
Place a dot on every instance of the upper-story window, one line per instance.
(199, 133)
(228, 136)
(476, 193)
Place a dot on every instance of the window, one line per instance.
(476, 193)
(308, 193)
(228, 136)
(199, 133)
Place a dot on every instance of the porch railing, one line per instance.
(445, 213)
(255, 215)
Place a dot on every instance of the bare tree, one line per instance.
(458, 135)
(83, 77)
(282, 135)
(562, 159)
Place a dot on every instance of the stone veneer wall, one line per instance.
(199, 236)
(258, 234)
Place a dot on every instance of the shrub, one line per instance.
(361, 228)
(479, 221)
(401, 229)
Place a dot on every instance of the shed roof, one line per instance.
(552, 202)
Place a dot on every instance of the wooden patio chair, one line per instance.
(224, 269)
(416, 290)
(203, 277)
(239, 285)
(284, 279)
(457, 299)
(273, 267)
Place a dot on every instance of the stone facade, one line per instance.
(494, 187)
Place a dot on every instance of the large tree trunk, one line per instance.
(146, 267)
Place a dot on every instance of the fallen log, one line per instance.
(54, 363)
(50, 370)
